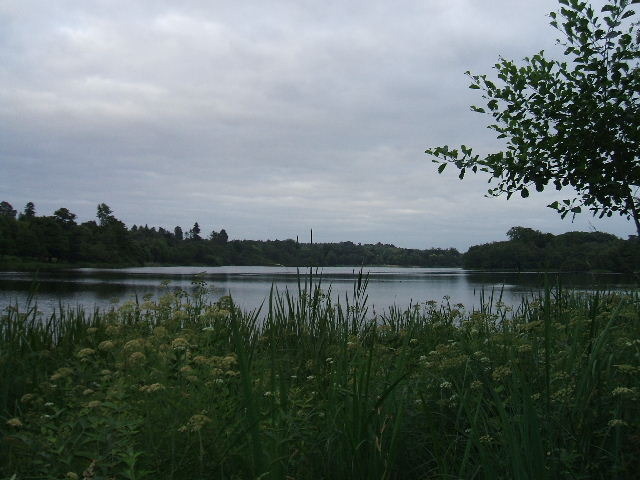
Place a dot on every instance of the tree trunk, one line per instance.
(634, 212)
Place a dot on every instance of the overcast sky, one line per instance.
(266, 118)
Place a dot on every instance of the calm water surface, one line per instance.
(250, 286)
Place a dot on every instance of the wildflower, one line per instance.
(61, 373)
(622, 391)
(268, 394)
(446, 385)
(329, 360)
(85, 352)
(616, 422)
(562, 395)
(195, 423)
(179, 343)
(94, 404)
(27, 397)
(71, 476)
(112, 329)
(525, 348)
(230, 360)
(486, 439)
(476, 385)
(200, 360)
(48, 404)
(208, 329)
(154, 387)
(310, 377)
(413, 341)
(106, 345)
(14, 422)
(137, 357)
(160, 332)
(136, 344)
(500, 373)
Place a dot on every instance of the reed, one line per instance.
(310, 386)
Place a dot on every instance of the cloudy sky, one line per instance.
(266, 118)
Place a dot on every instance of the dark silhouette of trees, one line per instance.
(29, 211)
(7, 210)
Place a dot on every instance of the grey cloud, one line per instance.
(265, 118)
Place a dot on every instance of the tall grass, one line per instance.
(309, 386)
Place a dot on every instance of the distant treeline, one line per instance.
(529, 249)
(26, 238)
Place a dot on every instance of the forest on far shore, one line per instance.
(30, 241)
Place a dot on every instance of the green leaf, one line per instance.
(473, 86)
(524, 193)
(442, 167)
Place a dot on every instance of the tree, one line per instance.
(7, 210)
(195, 232)
(64, 216)
(572, 123)
(178, 233)
(219, 238)
(29, 211)
(104, 214)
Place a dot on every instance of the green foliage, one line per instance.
(58, 239)
(570, 123)
(311, 388)
(529, 249)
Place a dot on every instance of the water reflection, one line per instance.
(249, 286)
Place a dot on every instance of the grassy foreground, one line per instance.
(310, 388)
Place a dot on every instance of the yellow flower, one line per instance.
(112, 329)
(27, 397)
(154, 387)
(137, 357)
(85, 352)
(200, 360)
(106, 345)
(616, 422)
(622, 392)
(160, 332)
(179, 343)
(14, 422)
(195, 423)
(61, 373)
(134, 345)
(500, 373)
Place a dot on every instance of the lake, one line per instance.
(250, 286)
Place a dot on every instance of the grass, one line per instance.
(310, 388)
